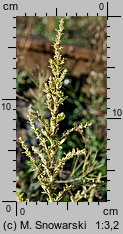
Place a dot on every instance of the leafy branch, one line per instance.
(44, 157)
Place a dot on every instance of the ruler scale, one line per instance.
(34, 217)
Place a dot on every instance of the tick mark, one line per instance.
(110, 170)
(56, 11)
(11, 47)
(114, 118)
(9, 99)
(110, 67)
(12, 150)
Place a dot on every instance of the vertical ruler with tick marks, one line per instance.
(57, 217)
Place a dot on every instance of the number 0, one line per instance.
(22, 211)
(8, 208)
(101, 6)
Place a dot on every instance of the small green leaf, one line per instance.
(60, 117)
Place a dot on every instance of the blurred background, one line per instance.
(84, 47)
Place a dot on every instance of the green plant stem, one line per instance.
(93, 189)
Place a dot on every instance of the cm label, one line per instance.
(10, 7)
